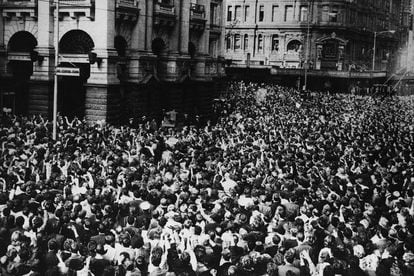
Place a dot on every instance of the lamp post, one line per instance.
(55, 90)
(375, 45)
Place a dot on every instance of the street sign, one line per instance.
(68, 71)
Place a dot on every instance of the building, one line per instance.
(403, 79)
(135, 57)
(336, 37)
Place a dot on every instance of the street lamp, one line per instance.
(375, 45)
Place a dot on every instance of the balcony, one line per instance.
(19, 9)
(197, 17)
(127, 10)
(215, 29)
(164, 13)
(77, 8)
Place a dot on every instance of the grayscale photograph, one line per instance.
(206, 138)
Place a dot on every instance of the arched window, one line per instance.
(76, 42)
(22, 42)
(260, 43)
(294, 46)
(237, 42)
(246, 42)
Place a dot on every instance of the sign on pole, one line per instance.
(68, 71)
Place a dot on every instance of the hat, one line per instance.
(145, 205)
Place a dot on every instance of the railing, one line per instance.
(197, 11)
(215, 28)
(164, 7)
(133, 4)
(19, 8)
(75, 3)
(18, 3)
(292, 56)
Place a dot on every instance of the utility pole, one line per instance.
(55, 90)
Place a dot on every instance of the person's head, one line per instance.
(19, 222)
(200, 253)
(52, 245)
(156, 256)
(290, 256)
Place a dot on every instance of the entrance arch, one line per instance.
(20, 44)
(76, 45)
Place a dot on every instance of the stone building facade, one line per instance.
(136, 57)
(341, 33)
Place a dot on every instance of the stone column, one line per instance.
(102, 88)
(184, 25)
(149, 8)
(41, 84)
(205, 36)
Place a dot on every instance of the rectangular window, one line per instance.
(333, 15)
(288, 13)
(228, 43)
(261, 13)
(275, 43)
(246, 42)
(303, 16)
(237, 13)
(237, 42)
(246, 13)
(325, 13)
(260, 43)
(213, 14)
(275, 10)
(229, 13)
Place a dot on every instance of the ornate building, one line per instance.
(135, 57)
(336, 37)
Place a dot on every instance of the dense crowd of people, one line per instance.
(279, 185)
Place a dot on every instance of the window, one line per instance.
(260, 43)
(246, 42)
(213, 14)
(229, 13)
(246, 13)
(333, 16)
(294, 46)
(237, 13)
(212, 48)
(261, 13)
(228, 43)
(237, 42)
(274, 13)
(275, 43)
(288, 13)
(325, 13)
(303, 16)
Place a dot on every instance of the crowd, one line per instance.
(278, 186)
